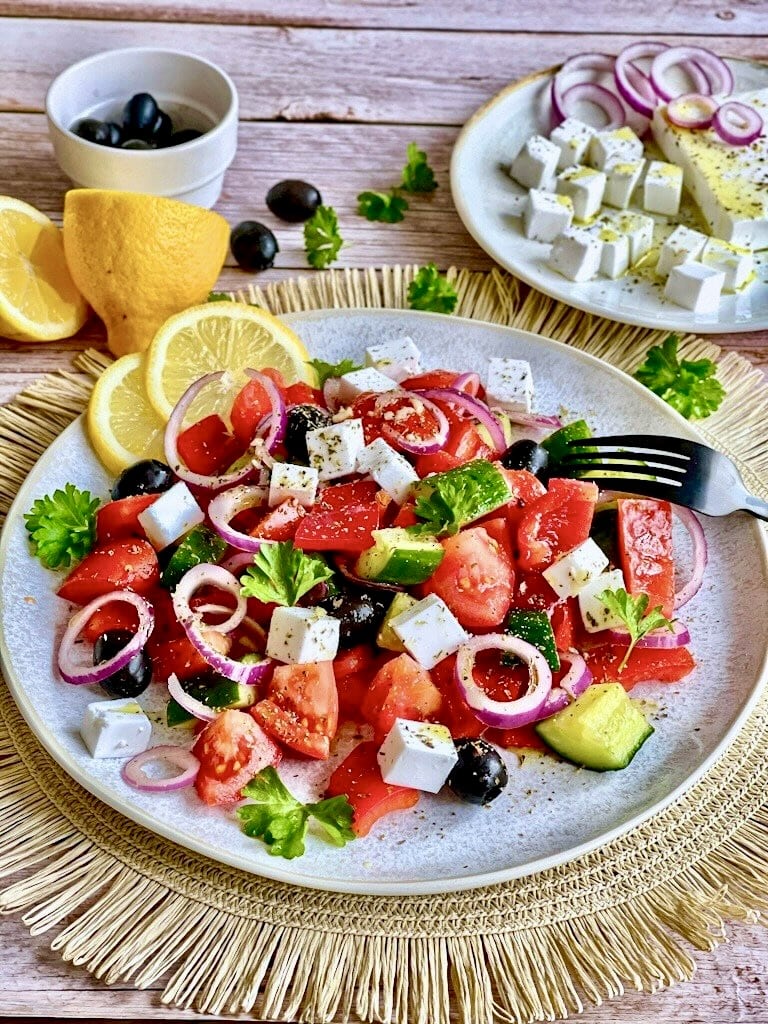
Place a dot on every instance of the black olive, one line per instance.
(163, 129)
(150, 476)
(138, 144)
(360, 612)
(293, 200)
(480, 774)
(115, 133)
(94, 131)
(131, 680)
(185, 135)
(604, 531)
(140, 116)
(253, 245)
(528, 455)
(302, 418)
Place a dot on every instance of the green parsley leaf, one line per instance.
(334, 815)
(62, 526)
(688, 385)
(432, 291)
(418, 176)
(632, 612)
(322, 240)
(388, 207)
(447, 501)
(282, 574)
(325, 370)
(219, 297)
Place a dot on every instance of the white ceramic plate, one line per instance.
(550, 811)
(489, 202)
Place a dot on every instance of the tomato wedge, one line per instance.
(358, 778)
(281, 523)
(645, 546)
(555, 523)
(455, 714)
(119, 519)
(400, 689)
(346, 529)
(251, 405)
(396, 416)
(231, 750)
(177, 657)
(337, 497)
(645, 664)
(129, 564)
(301, 709)
(208, 447)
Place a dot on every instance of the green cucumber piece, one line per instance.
(222, 695)
(556, 445)
(386, 637)
(399, 557)
(200, 545)
(460, 496)
(536, 629)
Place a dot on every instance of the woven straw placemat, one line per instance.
(129, 906)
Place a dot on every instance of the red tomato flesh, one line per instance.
(645, 546)
(301, 709)
(281, 523)
(176, 657)
(645, 664)
(358, 778)
(231, 750)
(129, 564)
(337, 497)
(455, 714)
(208, 447)
(118, 519)
(398, 417)
(555, 523)
(347, 529)
(400, 689)
(250, 406)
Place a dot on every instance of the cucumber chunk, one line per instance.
(200, 545)
(226, 694)
(536, 629)
(386, 638)
(399, 557)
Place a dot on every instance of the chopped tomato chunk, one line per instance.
(347, 529)
(555, 523)
(118, 519)
(208, 447)
(455, 713)
(129, 564)
(400, 689)
(231, 750)
(301, 709)
(645, 664)
(281, 522)
(358, 777)
(645, 545)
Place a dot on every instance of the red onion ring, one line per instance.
(469, 382)
(401, 440)
(133, 772)
(196, 708)
(572, 685)
(227, 505)
(69, 670)
(239, 671)
(700, 556)
(658, 639)
(503, 714)
(237, 562)
(331, 394)
(598, 96)
(532, 426)
(716, 75)
(207, 574)
(737, 124)
(692, 110)
(472, 405)
(276, 419)
(595, 62)
(632, 84)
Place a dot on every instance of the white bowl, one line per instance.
(194, 92)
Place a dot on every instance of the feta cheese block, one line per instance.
(333, 450)
(662, 188)
(391, 471)
(358, 382)
(572, 138)
(637, 227)
(535, 164)
(695, 287)
(115, 728)
(614, 258)
(573, 571)
(510, 385)
(585, 187)
(398, 359)
(546, 214)
(683, 244)
(289, 481)
(173, 514)
(621, 181)
(594, 613)
(736, 262)
(576, 254)
(429, 631)
(419, 755)
(617, 145)
(301, 635)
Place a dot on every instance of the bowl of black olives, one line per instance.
(148, 120)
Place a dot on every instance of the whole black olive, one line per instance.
(94, 131)
(131, 680)
(150, 476)
(115, 133)
(140, 116)
(138, 144)
(480, 774)
(302, 418)
(253, 245)
(163, 129)
(360, 612)
(185, 135)
(293, 200)
(528, 455)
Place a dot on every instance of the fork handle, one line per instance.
(756, 506)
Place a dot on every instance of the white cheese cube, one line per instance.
(510, 385)
(418, 755)
(576, 254)
(622, 179)
(358, 382)
(301, 635)
(572, 138)
(398, 358)
(662, 188)
(736, 262)
(614, 258)
(535, 164)
(333, 450)
(571, 573)
(545, 215)
(173, 514)
(585, 187)
(594, 613)
(695, 287)
(682, 245)
(429, 631)
(617, 145)
(289, 481)
(391, 471)
(637, 227)
(115, 728)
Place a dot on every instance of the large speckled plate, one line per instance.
(490, 203)
(550, 811)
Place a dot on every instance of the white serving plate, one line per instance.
(489, 203)
(551, 812)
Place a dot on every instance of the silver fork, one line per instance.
(670, 468)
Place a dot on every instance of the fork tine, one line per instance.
(645, 487)
(679, 446)
(680, 463)
(673, 473)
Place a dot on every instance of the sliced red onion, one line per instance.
(133, 772)
(76, 674)
(699, 541)
(503, 714)
(203, 575)
(658, 639)
(598, 96)
(532, 426)
(633, 85)
(276, 420)
(237, 562)
(580, 62)
(401, 439)
(472, 405)
(193, 707)
(709, 73)
(240, 672)
(572, 685)
(469, 382)
(737, 124)
(332, 394)
(225, 506)
(692, 110)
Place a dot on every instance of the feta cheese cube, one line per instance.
(576, 254)
(429, 631)
(301, 635)
(333, 450)
(637, 227)
(594, 613)
(572, 138)
(391, 471)
(545, 215)
(418, 755)
(398, 358)
(535, 164)
(622, 179)
(289, 481)
(571, 573)
(736, 262)
(618, 145)
(683, 244)
(662, 188)
(614, 258)
(695, 286)
(356, 383)
(585, 186)
(172, 515)
(510, 385)
(115, 728)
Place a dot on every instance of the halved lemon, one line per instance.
(229, 336)
(38, 298)
(122, 424)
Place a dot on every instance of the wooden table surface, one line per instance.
(332, 91)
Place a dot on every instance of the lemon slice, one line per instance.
(38, 298)
(219, 336)
(122, 425)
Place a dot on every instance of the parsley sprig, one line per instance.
(388, 207)
(432, 291)
(326, 370)
(62, 526)
(418, 176)
(322, 240)
(447, 501)
(282, 574)
(688, 385)
(632, 612)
